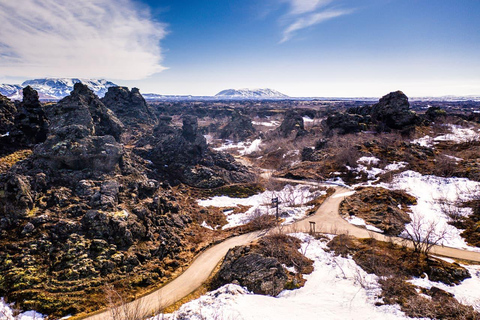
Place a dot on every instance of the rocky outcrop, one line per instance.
(183, 155)
(31, 119)
(382, 208)
(84, 134)
(345, 123)
(292, 124)
(129, 106)
(83, 108)
(392, 112)
(7, 122)
(433, 113)
(259, 274)
(22, 125)
(239, 128)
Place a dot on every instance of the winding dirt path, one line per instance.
(327, 220)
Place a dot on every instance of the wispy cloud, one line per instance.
(90, 38)
(306, 13)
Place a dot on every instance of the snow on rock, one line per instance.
(337, 289)
(360, 222)
(6, 313)
(433, 195)
(292, 204)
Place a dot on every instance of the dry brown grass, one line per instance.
(8, 161)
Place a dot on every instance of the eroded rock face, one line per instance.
(129, 106)
(239, 128)
(259, 274)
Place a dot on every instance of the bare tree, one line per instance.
(424, 234)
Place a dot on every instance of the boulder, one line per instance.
(259, 274)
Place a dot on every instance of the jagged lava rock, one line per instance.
(129, 106)
(31, 119)
(239, 128)
(292, 124)
(184, 155)
(83, 134)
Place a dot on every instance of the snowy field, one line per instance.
(435, 197)
(457, 134)
(336, 289)
(292, 204)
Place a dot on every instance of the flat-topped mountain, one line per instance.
(251, 94)
(55, 88)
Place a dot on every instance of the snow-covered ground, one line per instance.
(435, 195)
(337, 289)
(292, 204)
(6, 313)
(243, 147)
(457, 134)
(368, 165)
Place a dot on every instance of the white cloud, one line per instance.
(306, 13)
(114, 39)
(304, 6)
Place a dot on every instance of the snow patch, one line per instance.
(6, 313)
(292, 206)
(433, 194)
(243, 147)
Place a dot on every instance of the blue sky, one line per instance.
(299, 47)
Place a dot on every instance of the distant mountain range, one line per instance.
(55, 88)
(58, 88)
(251, 94)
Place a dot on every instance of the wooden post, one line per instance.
(275, 203)
(312, 227)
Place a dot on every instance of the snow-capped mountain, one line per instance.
(251, 94)
(55, 88)
(12, 91)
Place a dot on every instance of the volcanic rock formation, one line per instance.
(129, 106)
